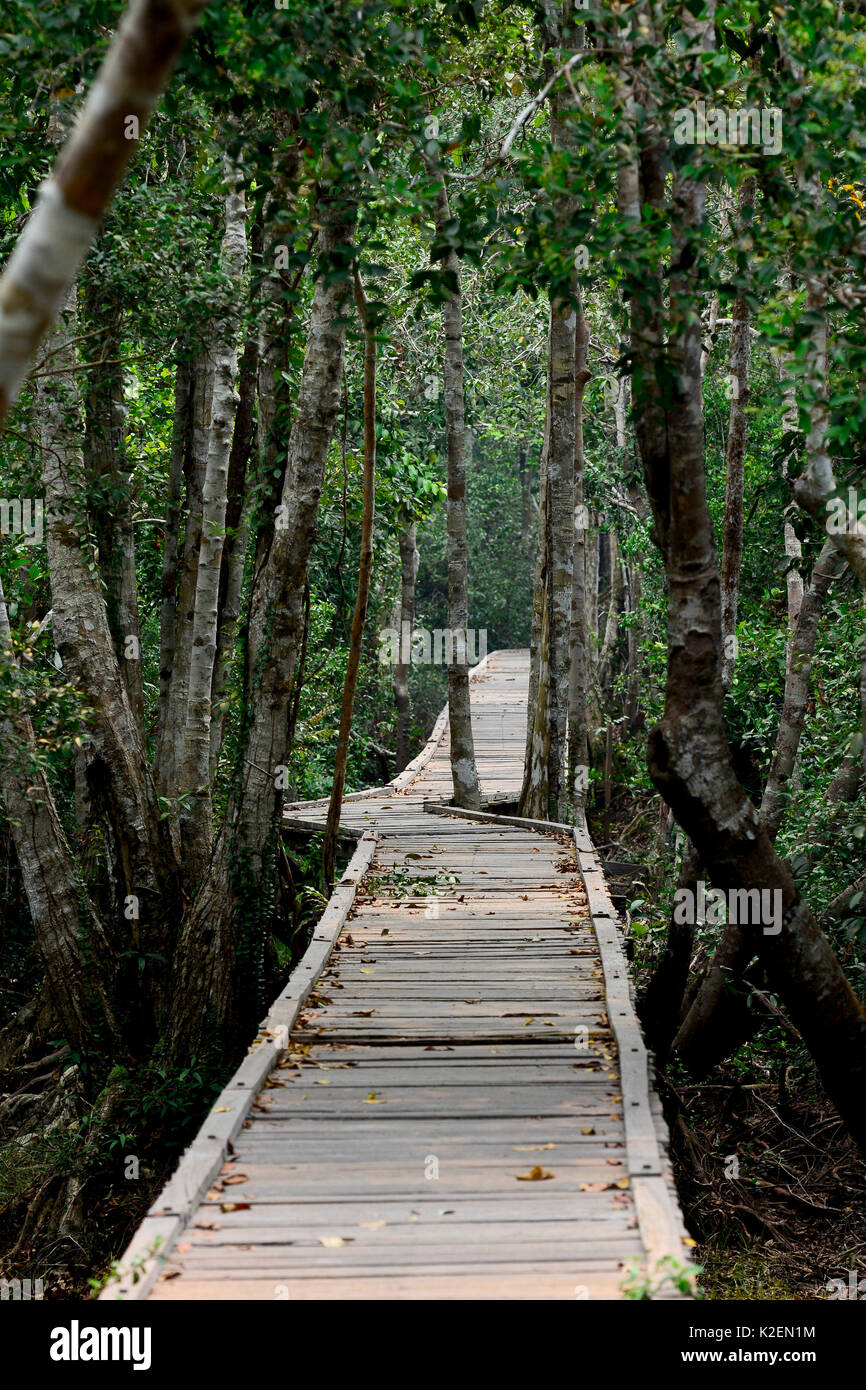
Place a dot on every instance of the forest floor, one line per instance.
(770, 1185)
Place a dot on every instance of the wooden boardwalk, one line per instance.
(450, 1119)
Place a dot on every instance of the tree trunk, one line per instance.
(577, 692)
(219, 963)
(560, 568)
(72, 202)
(688, 756)
(140, 857)
(409, 559)
(365, 569)
(464, 774)
(76, 956)
(732, 533)
(236, 543)
(110, 481)
(196, 815)
(181, 453)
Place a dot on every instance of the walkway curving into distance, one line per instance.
(451, 1118)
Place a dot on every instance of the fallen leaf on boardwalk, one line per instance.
(323, 1083)
(595, 1186)
(221, 1110)
(447, 1211)
(235, 1178)
(536, 1174)
(207, 1226)
(170, 1274)
(373, 1099)
(623, 1182)
(384, 932)
(365, 970)
(528, 1021)
(372, 1225)
(589, 1130)
(333, 1241)
(234, 1206)
(362, 1013)
(614, 1162)
(531, 1148)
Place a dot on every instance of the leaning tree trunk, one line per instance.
(72, 202)
(365, 570)
(406, 608)
(717, 1009)
(464, 774)
(688, 756)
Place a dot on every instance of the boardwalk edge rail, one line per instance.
(662, 1231)
(142, 1261)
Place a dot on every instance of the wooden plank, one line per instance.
(484, 1020)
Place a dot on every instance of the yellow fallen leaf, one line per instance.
(623, 1182)
(589, 1130)
(323, 1083)
(221, 1109)
(372, 1225)
(531, 1148)
(536, 1174)
(373, 1099)
(333, 1241)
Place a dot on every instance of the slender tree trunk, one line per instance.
(577, 692)
(534, 800)
(181, 452)
(611, 625)
(169, 759)
(365, 570)
(732, 534)
(406, 618)
(463, 771)
(196, 817)
(111, 489)
(560, 502)
(236, 543)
